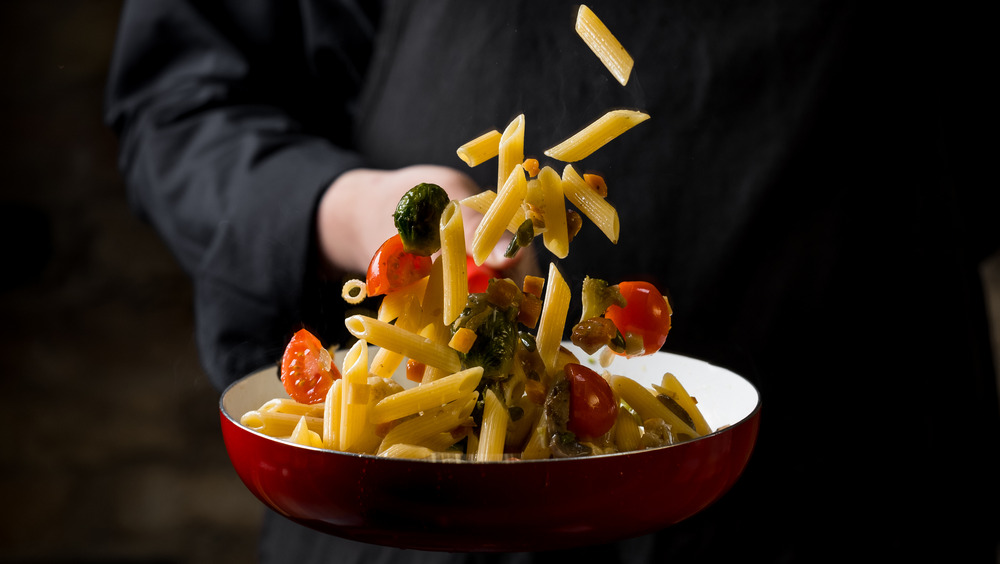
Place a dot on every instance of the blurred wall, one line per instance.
(112, 449)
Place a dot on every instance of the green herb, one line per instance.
(496, 337)
(598, 296)
(522, 238)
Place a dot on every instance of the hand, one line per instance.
(354, 216)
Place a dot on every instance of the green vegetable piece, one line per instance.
(496, 340)
(525, 233)
(598, 296)
(418, 218)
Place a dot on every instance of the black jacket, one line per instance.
(807, 192)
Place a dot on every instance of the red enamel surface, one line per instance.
(476, 506)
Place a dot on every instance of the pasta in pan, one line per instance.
(493, 381)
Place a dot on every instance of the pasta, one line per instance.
(276, 423)
(480, 149)
(304, 436)
(504, 207)
(510, 150)
(585, 198)
(426, 396)
(430, 423)
(672, 388)
(596, 135)
(487, 389)
(556, 235)
(553, 320)
(331, 416)
(455, 278)
(354, 398)
(493, 431)
(647, 406)
(606, 46)
(482, 201)
(403, 342)
(401, 450)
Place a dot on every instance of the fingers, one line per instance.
(355, 216)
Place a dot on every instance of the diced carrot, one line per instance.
(529, 311)
(596, 182)
(462, 340)
(415, 370)
(533, 285)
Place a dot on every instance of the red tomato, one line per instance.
(592, 405)
(479, 276)
(646, 314)
(307, 370)
(392, 268)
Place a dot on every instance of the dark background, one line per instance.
(111, 448)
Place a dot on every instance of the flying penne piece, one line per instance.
(604, 44)
(480, 149)
(596, 135)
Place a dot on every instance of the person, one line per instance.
(805, 192)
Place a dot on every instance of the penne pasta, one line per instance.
(403, 303)
(604, 44)
(497, 217)
(493, 431)
(482, 201)
(287, 405)
(455, 287)
(385, 363)
(556, 235)
(354, 396)
(553, 319)
(302, 435)
(519, 429)
(596, 135)
(480, 149)
(670, 386)
(430, 423)
(276, 424)
(331, 415)
(404, 307)
(510, 150)
(432, 305)
(627, 434)
(537, 446)
(426, 396)
(444, 441)
(647, 406)
(440, 334)
(404, 342)
(590, 203)
(401, 450)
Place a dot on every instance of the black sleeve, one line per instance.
(232, 120)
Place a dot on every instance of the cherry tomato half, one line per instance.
(646, 314)
(307, 370)
(392, 268)
(479, 275)
(592, 405)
